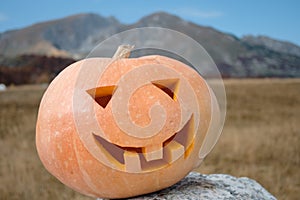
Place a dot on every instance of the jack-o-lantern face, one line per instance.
(121, 121)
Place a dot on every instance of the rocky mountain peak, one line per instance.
(275, 45)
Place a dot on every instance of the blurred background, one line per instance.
(255, 45)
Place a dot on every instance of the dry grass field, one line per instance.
(261, 140)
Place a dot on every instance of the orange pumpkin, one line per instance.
(120, 127)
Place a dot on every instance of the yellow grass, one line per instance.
(261, 140)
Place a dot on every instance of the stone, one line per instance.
(198, 186)
(2, 87)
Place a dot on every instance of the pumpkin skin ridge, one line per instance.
(58, 172)
(155, 178)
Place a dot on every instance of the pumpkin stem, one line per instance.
(123, 51)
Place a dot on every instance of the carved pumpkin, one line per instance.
(120, 127)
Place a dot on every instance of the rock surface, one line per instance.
(216, 186)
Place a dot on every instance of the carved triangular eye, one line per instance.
(168, 86)
(102, 95)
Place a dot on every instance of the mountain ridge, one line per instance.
(75, 36)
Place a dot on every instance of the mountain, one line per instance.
(63, 37)
(75, 36)
(275, 45)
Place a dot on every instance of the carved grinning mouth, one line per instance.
(133, 159)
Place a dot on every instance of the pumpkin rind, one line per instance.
(80, 164)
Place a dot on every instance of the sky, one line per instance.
(279, 19)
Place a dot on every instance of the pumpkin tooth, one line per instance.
(153, 152)
(172, 151)
(185, 136)
(132, 161)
